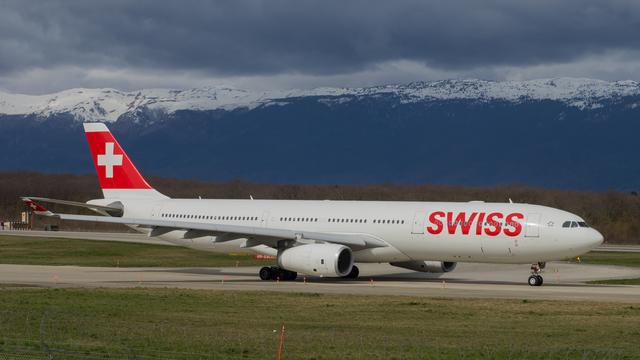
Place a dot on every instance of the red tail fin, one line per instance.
(118, 176)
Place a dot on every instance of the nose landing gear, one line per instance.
(536, 279)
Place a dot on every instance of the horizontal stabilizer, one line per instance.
(115, 209)
(36, 208)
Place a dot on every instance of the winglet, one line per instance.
(36, 208)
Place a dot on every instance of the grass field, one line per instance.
(611, 258)
(185, 324)
(616, 282)
(51, 251)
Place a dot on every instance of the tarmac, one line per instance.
(563, 281)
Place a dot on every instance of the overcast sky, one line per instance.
(53, 45)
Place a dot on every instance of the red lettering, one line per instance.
(434, 219)
(479, 224)
(492, 222)
(460, 220)
(510, 221)
(450, 225)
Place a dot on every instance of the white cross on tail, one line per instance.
(109, 160)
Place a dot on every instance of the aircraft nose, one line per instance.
(595, 238)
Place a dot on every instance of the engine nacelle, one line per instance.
(427, 266)
(317, 259)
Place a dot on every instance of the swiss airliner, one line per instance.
(327, 238)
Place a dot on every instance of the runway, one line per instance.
(562, 281)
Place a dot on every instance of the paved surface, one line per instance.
(562, 281)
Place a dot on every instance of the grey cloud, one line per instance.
(262, 38)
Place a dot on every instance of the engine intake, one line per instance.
(427, 266)
(317, 259)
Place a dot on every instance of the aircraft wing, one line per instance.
(114, 210)
(224, 232)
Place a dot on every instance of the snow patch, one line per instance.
(109, 104)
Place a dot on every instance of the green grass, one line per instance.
(617, 282)
(611, 258)
(185, 324)
(51, 251)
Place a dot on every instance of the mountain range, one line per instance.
(564, 133)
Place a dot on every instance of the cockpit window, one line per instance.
(583, 224)
(574, 224)
(566, 224)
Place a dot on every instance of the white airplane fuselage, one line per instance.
(326, 238)
(439, 231)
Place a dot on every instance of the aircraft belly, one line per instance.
(385, 254)
(442, 247)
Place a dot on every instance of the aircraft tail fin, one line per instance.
(119, 178)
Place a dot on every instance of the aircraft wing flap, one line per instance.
(348, 239)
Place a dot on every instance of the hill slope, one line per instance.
(568, 133)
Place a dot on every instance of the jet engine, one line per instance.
(427, 266)
(317, 259)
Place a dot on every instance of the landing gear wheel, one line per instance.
(289, 275)
(276, 273)
(534, 280)
(265, 273)
(353, 274)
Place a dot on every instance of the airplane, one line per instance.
(327, 238)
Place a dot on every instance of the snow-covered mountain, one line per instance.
(110, 104)
(568, 133)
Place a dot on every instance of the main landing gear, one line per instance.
(536, 279)
(276, 273)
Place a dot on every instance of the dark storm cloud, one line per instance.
(321, 37)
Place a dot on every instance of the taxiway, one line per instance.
(563, 281)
